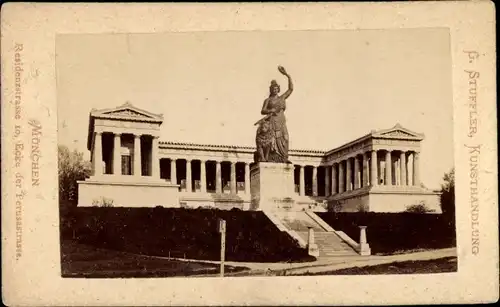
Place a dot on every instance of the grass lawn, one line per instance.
(78, 260)
(443, 265)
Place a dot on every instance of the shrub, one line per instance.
(250, 236)
(103, 202)
(395, 232)
(419, 208)
(335, 206)
(362, 208)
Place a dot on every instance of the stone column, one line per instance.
(203, 177)
(348, 180)
(137, 155)
(302, 184)
(327, 181)
(97, 158)
(117, 171)
(388, 168)
(357, 177)
(402, 168)
(416, 170)
(247, 178)
(341, 178)
(173, 171)
(189, 186)
(334, 179)
(155, 159)
(233, 178)
(397, 172)
(315, 181)
(373, 169)
(218, 178)
(366, 168)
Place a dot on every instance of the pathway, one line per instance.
(324, 264)
(376, 260)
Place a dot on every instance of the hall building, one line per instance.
(132, 167)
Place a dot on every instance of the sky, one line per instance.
(210, 86)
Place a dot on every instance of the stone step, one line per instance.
(327, 239)
(329, 244)
(302, 226)
(338, 254)
(349, 251)
(334, 249)
(299, 221)
(334, 246)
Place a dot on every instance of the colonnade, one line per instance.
(97, 155)
(203, 175)
(372, 168)
(377, 167)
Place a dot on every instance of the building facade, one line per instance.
(132, 167)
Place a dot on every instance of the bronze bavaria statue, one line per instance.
(272, 134)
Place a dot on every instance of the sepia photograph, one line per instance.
(256, 153)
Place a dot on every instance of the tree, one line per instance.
(448, 194)
(72, 167)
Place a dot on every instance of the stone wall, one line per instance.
(128, 194)
(354, 204)
(400, 202)
(386, 202)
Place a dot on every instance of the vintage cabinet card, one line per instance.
(249, 154)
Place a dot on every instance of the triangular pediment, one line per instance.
(398, 132)
(127, 111)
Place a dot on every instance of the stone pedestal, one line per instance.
(272, 186)
(312, 248)
(364, 247)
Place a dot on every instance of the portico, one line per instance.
(123, 143)
(382, 171)
(377, 172)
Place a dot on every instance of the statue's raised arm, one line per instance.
(272, 133)
(290, 83)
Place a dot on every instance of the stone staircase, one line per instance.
(300, 222)
(329, 243)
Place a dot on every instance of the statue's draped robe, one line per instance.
(278, 132)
